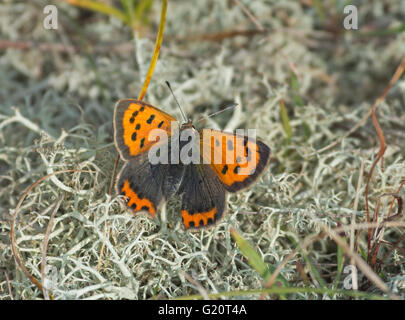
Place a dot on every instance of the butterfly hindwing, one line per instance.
(133, 121)
(136, 183)
(237, 160)
(203, 201)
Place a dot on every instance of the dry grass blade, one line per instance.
(156, 51)
(110, 191)
(197, 284)
(220, 36)
(365, 225)
(353, 234)
(45, 246)
(100, 258)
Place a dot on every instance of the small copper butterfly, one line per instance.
(226, 162)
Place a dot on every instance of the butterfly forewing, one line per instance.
(236, 160)
(133, 122)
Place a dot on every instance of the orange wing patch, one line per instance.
(236, 160)
(133, 122)
(198, 220)
(135, 201)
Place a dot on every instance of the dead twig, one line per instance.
(383, 147)
(250, 15)
(8, 285)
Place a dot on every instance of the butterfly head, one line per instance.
(187, 125)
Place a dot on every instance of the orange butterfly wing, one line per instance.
(133, 121)
(236, 160)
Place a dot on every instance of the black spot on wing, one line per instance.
(150, 119)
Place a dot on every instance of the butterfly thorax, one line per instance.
(187, 125)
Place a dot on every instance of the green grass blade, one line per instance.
(285, 291)
(254, 259)
(285, 121)
(143, 8)
(295, 86)
(340, 263)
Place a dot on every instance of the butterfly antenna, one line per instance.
(181, 110)
(231, 106)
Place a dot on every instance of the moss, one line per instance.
(56, 113)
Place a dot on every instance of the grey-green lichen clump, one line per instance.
(56, 109)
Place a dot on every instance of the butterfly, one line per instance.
(226, 162)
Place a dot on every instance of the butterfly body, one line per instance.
(200, 166)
